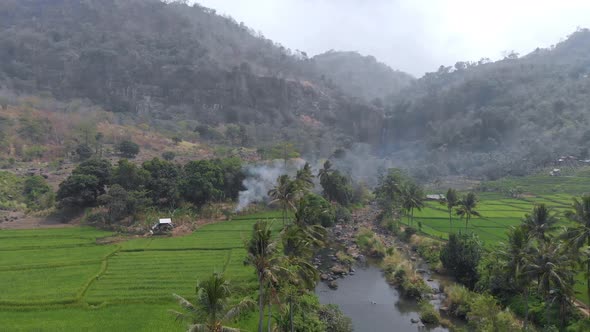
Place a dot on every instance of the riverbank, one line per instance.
(340, 269)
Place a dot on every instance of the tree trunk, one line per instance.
(260, 303)
(451, 219)
(547, 311)
(269, 323)
(526, 308)
(291, 314)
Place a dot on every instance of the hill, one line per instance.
(162, 64)
(361, 76)
(180, 71)
(497, 118)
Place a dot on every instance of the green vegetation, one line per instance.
(61, 274)
(11, 190)
(128, 149)
(533, 249)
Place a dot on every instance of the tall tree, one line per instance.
(211, 309)
(304, 178)
(262, 255)
(578, 235)
(515, 254)
(285, 193)
(388, 192)
(552, 266)
(412, 199)
(466, 208)
(540, 222)
(451, 200)
(325, 172)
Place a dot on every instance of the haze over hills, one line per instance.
(361, 76)
(187, 71)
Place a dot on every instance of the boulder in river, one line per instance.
(333, 285)
(339, 269)
(324, 276)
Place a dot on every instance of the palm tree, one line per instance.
(211, 308)
(451, 200)
(552, 266)
(540, 222)
(579, 235)
(304, 178)
(299, 241)
(325, 172)
(515, 254)
(466, 208)
(262, 255)
(412, 198)
(285, 193)
(325, 175)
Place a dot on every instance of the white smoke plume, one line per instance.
(262, 177)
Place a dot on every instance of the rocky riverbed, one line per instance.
(335, 266)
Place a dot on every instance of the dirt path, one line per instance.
(29, 222)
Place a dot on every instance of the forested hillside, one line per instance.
(171, 63)
(185, 72)
(497, 118)
(361, 76)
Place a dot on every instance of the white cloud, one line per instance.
(412, 35)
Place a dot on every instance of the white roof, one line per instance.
(166, 221)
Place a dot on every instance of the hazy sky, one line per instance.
(415, 36)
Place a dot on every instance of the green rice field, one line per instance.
(499, 212)
(65, 280)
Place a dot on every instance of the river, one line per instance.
(372, 304)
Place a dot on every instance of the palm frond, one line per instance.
(244, 305)
(197, 328)
(184, 302)
(181, 316)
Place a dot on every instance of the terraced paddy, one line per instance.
(499, 212)
(64, 280)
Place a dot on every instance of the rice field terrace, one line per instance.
(499, 211)
(66, 280)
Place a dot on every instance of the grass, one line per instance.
(500, 212)
(65, 280)
(11, 191)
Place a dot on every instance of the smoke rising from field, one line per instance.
(261, 177)
(358, 163)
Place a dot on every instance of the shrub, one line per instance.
(460, 256)
(370, 244)
(33, 152)
(414, 287)
(486, 315)
(457, 300)
(334, 319)
(344, 258)
(407, 234)
(128, 149)
(428, 249)
(84, 152)
(428, 314)
(38, 195)
(315, 210)
(342, 214)
(169, 155)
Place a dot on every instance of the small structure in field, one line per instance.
(555, 172)
(435, 197)
(163, 226)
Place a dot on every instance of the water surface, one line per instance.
(371, 303)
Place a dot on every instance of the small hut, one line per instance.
(435, 197)
(163, 226)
